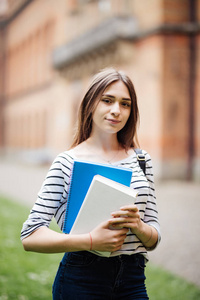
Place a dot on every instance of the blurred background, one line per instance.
(49, 49)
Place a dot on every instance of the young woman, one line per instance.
(106, 133)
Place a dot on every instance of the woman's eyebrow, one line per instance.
(113, 97)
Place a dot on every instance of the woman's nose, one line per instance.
(115, 109)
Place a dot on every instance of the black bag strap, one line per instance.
(141, 159)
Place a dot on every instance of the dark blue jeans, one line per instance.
(85, 276)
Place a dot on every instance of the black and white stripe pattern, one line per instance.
(146, 202)
(52, 198)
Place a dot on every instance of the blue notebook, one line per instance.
(81, 178)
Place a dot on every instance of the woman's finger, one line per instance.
(131, 207)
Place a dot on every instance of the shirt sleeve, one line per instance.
(151, 212)
(51, 198)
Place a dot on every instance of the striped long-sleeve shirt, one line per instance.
(52, 199)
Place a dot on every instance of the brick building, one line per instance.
(49, 49)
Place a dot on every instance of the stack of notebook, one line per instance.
(96, 190)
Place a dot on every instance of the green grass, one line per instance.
(23, 275)
(163, 285)
(29, 276)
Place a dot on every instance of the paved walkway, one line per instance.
(178, 204)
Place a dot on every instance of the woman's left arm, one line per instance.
(146, 229)
(129, 217)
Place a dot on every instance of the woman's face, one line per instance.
(113, 109)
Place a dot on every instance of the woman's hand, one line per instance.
(128, 217)
(106, 239)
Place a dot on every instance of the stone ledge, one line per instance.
(108, 32)
(93, 40)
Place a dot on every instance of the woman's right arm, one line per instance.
(45, 240)
(36, 235)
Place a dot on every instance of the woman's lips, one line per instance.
(113, 121)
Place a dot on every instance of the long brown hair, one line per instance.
(127, 136)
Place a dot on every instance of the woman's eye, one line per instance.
(126, 104)
(106, 101)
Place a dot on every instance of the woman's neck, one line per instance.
(95, 150)
(104, 145)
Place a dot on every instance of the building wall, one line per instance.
(175, 106)
(32, 91)
(40, 111)
(196, 163)
(1, 86)
(146, 72)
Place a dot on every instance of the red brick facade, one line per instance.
(49, 50)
